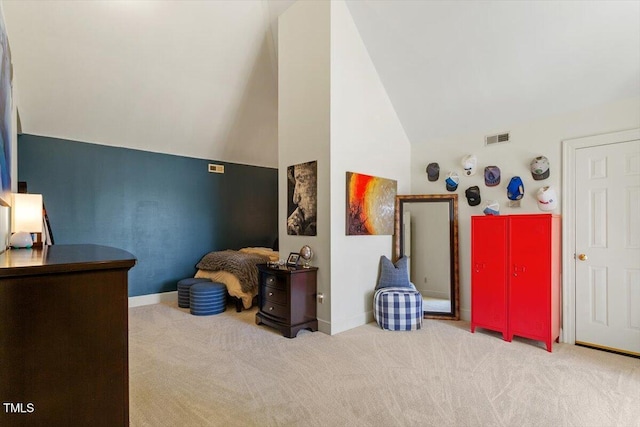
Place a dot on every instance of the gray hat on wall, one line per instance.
(433, 171)
(540, 168)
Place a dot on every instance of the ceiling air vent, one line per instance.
(496, 139)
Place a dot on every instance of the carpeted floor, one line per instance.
(224, 370)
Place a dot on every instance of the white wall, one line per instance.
(333, 109)
(366, 137)
(540, 137)
(303, 127)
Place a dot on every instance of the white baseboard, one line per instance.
(351, 322)
(324, 326)
(153, 299)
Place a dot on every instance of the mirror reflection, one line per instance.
(426, 233)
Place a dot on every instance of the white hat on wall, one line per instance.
(547, 199)
(469, 164)
(491, 208)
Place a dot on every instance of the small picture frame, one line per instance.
(293, 259)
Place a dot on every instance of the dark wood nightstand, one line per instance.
(287, 299)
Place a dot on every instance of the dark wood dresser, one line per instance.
(64, 336)
(287, 299)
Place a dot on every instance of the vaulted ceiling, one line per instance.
(199, 78)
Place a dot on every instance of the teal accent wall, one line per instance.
(167, 210)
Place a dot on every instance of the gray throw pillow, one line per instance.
(393, 275)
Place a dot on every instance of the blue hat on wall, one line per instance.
(515, 189)
(452, 181)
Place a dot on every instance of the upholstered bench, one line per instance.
(184, 286)
(398, 309)
(207, 298)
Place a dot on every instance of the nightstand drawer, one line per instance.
(274, 282)
(275, 295)
(275, 310)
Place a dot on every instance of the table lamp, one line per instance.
(26, 218)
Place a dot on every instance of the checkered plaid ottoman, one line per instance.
(398, 309)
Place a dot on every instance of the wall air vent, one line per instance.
(496, 139)
(216, 168)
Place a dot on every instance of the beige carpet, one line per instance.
(224, 370)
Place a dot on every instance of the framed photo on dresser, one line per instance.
(293, 259)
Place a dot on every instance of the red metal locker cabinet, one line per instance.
(534, 277)
(488, 273)
(531, 262)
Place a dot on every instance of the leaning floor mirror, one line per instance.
(426, 231)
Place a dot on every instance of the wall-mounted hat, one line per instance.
(433, 171)
(473, 195)
(547, 199)
(492, 208)
(469, 164)
(540, 168)
(452, 181)
(515, 189)
(491, 176)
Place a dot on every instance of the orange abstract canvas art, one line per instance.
(370, 204)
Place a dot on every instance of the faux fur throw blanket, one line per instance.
(238, 263)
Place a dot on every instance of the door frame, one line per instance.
(569, 148)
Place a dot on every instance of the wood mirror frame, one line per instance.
(452, 201)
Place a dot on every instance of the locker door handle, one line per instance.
(518, 269)
(479, 266)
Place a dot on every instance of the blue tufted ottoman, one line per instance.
(398, 309)
(207, 298)
(183, 290)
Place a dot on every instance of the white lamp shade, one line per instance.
(26, 213)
